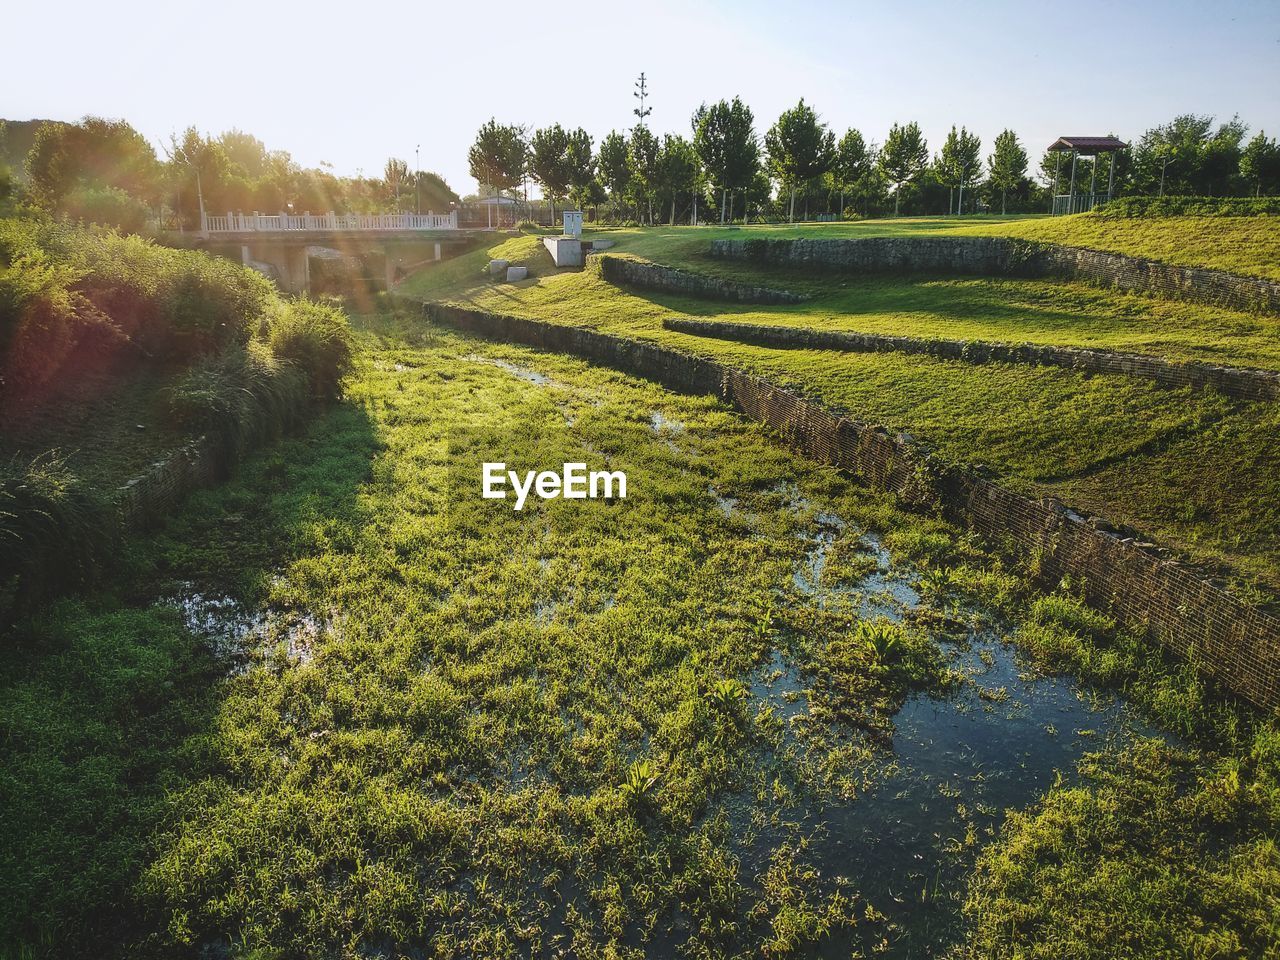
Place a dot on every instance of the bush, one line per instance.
(1190, 207)
(66, 290)
(107, 206)
(54, 531)
(239, 397)
(317, 339)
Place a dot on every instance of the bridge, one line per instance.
(283, 246)
(258, 224)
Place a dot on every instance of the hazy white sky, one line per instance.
(352, 83)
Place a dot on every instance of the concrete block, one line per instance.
(517, 273)
(565, 251)
(497, 267)
(602, 244)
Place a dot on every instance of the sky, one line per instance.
(353, 84)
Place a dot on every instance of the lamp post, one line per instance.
(417, 181)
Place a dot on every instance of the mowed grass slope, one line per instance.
(1244, 245)
(1199, 472)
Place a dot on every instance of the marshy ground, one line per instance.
(342, 706)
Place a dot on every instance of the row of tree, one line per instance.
(799, 166)
(105, 171)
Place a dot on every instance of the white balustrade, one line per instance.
(329, 222)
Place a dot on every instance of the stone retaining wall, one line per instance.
(157, 492)
(1242, 382)
(651, 276)
(1146, 591)
(1005, 256)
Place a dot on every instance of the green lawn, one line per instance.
(1246, 245)
(1197, 471)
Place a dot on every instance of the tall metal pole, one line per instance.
(204, 221)
(417, 181)
(1071, 194)
(1057, 169)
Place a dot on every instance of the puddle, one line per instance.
(909, 838)
(237, 637)
(524, 373)
(727, 505)
(661, 424)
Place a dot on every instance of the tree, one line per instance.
(725, 140)
(902, 157)
(434, 193)
(92, 154)
(959, 161)
(549, 163)
(1008, 164)
(852, 161)
(247, 152)
(615, 167)
(498, 156)
(800, 148)
(1188, 156)
(395, 175)
(1260, 164)
(581, 165)
(642, 159)
(677, 171)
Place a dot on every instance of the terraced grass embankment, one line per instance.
(1197, 472)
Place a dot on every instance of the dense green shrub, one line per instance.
(66, 290)
(54, 530)
(109, 206)
(1191, 207)
(317, 339)
(240, 396)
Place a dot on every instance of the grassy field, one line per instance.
(1245, 245)
(1197, 471)
(342, 706)
(106, 429)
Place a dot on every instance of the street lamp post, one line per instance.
(417, 181)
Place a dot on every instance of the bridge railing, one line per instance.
(284, 222)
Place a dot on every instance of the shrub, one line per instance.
(67, 291)
(528, 226)
(239, 397)
(107, 206)
(317, 339)
(54, 530)
(1190, 207)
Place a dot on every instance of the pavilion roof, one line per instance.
(1088, 144)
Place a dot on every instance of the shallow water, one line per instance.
(524, 373)
(909, 839)
(238, 637)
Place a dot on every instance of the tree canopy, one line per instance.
(800, 148)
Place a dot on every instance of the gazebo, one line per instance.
(1093, 147)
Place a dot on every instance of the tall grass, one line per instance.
(246, 361)
(54, 530)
